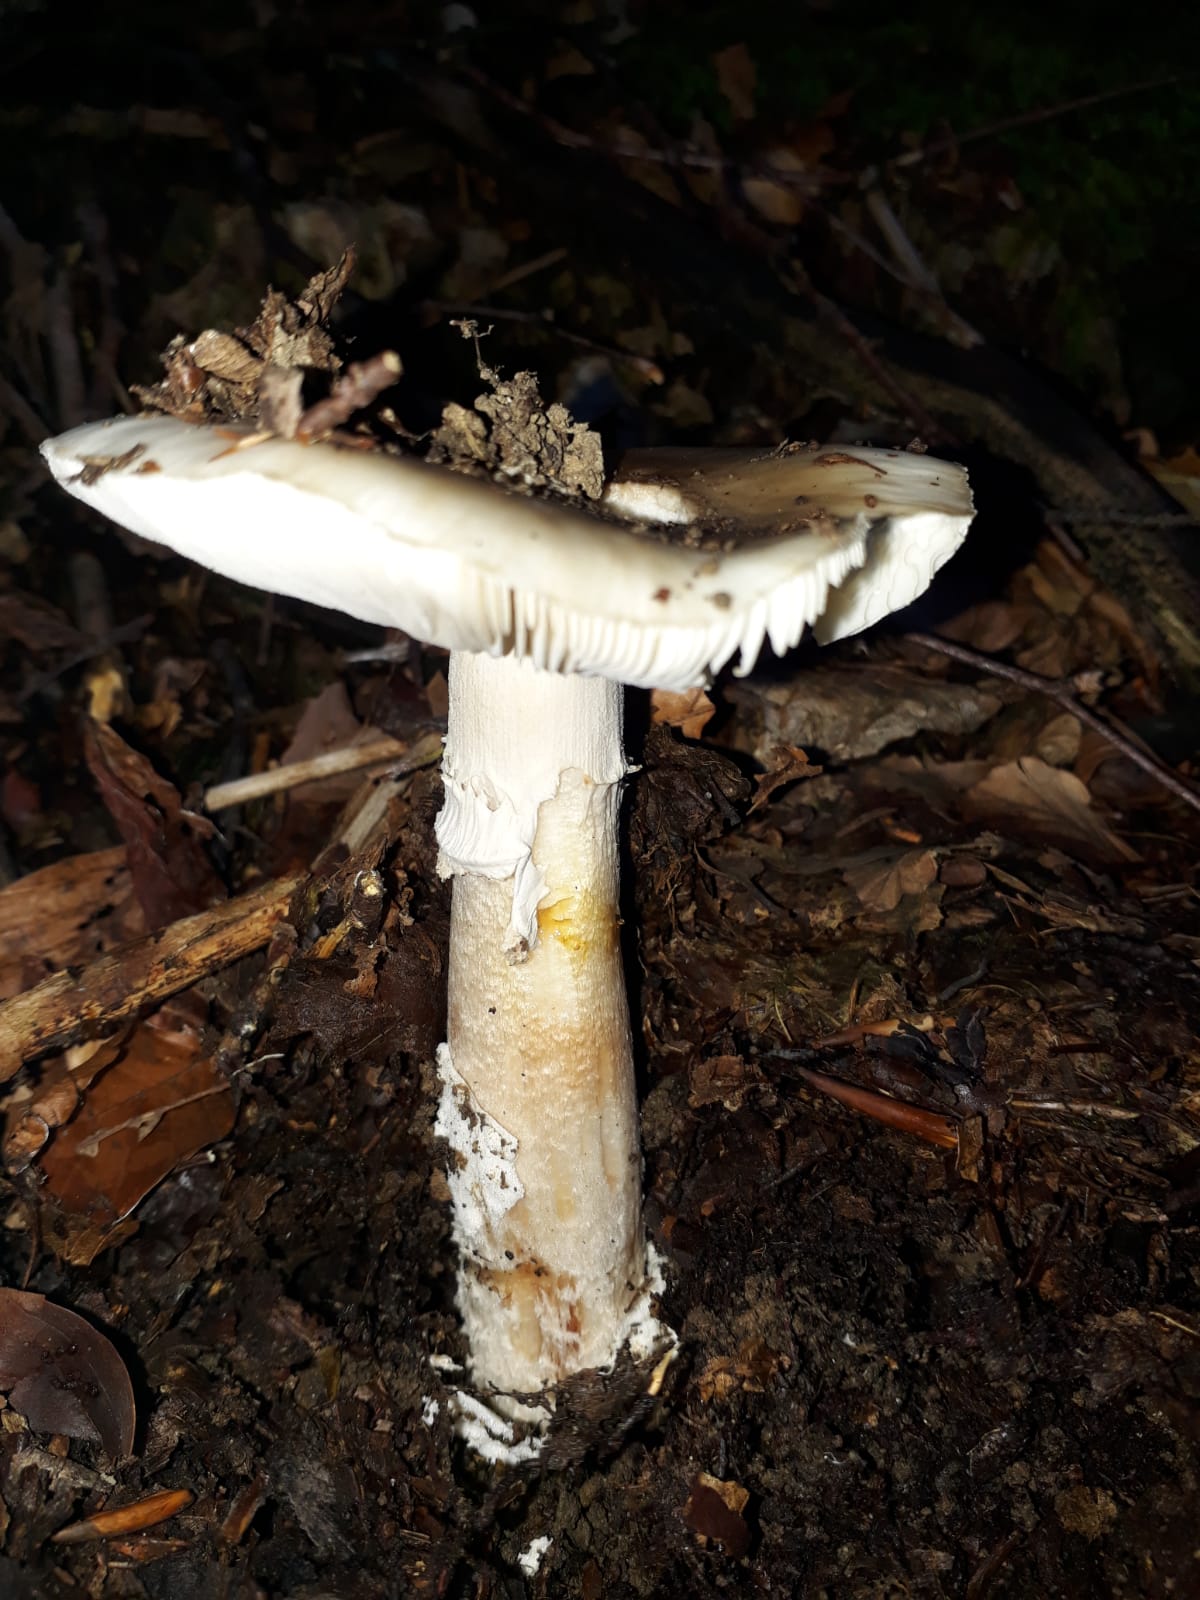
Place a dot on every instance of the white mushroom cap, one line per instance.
(456, 561)
(919, 507)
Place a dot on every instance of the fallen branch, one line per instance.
(76, 1003)
(1062, 692)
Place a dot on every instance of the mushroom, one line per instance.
(548, 609)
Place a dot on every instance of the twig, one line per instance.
(1028, 119)
(93, 225)
(549, 258)
(909, 259)
(1065, 696)
(127, 633)
(360, 384)
(351, 758)
(1125, 519)
(914, 271)
(807, 181)
(650, 370)
(1078, 1108)
(122, 982)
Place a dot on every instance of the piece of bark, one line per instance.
(77, 1004)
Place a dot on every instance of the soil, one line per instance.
(913, 954)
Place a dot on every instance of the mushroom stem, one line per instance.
(538, 1098)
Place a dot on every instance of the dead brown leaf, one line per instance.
(880, 885)
(714, 1513)
(1049, 801)
(62, 1375)
(172, 875)
(689, 710)
(991, 627)
(721, 1080)
(737, 79)
(158, 1104)
(788, 764)
(41, 628)
(776, 199)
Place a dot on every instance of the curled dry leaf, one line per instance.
(62, 1375)
(689, 710)
(1058, 742)
(789, 764)
(33, 1114)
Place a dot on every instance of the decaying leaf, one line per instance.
(721, 1080)
(41, 628)
(880, 885)
(714, 1513)
(737, 79)
(789, 764)
(172, 875)
(219, 376)
(779, 200)
(62, 1375)
(689, 710)
(158, 1103)
(1049, 801)
(513, 430)
(750, 1370)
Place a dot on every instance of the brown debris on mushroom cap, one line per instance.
(514, 435)
(225, 377)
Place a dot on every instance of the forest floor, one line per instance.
(911, 935)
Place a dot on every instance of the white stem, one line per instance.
(538, 1096)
